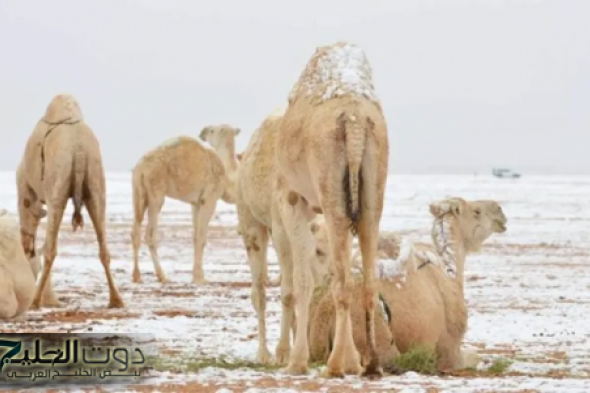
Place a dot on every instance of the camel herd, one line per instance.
(312, 176)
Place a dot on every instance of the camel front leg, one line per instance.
(280, 241)
(295, 215)
(202, 212)
(255, 238)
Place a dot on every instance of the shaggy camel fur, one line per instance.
(258, 216)
(62, 160)
(332, 157)
(422, 284)
(183, 169)
(17, 272)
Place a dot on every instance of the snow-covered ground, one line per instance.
(528, 290)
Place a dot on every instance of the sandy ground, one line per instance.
(528, 291)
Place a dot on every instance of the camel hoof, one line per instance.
(373, 372)
(295, 369)
(136, 277)
(199, 281)
(163, 280)
(52, 303)
(116, 303)
(263, 356)
(34, 305)
(282, 355)
(327, 372)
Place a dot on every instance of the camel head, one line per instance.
(63, 108)
(221, 137)
(471, 223)
(321, 267)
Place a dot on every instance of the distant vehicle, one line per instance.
(505, 173)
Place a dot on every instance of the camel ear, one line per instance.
(314, 226)
(456, 208)
(438, 209)
(236, 131)
(204, 132)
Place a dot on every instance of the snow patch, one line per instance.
(335, 71)
(388, 269)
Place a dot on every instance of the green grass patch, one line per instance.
(184, 364)
(419, 359)
(499, 366)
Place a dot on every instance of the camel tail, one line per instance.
(79, 174)
(354, 139)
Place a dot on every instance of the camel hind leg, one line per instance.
(255, 238)
(96, 210)
(344, 358)
(139, 208)
(54, 218)
(372, 197)
(154, 206)
(202, 212)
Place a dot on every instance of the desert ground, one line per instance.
(528, 291)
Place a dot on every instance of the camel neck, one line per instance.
(227, 154)
(450, 248)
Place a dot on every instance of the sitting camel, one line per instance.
(332, 158)
(257, 218)
(420, 285)
(18, 273)
(62, 160)
(183, 169)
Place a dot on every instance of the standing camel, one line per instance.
(62, 160)
(332, 157)
(258, 221)
(183, 169)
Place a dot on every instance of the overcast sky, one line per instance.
(465, 85)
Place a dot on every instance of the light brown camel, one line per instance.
(62, 160)
(183, 169)
(421, 285)
(17, 272)
(332, 156)
(258, 217)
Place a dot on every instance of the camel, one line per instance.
(332, 157)
(62, 160)
(421, 285)
(257, 218)
(18, 273)
(182, 168)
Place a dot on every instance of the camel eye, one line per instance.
(319, 252)
(477, 212)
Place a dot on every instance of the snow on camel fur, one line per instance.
(17, 272)
(422, 284)
(332, 157)
(183, 169)
(62, 160)
(257, 218)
